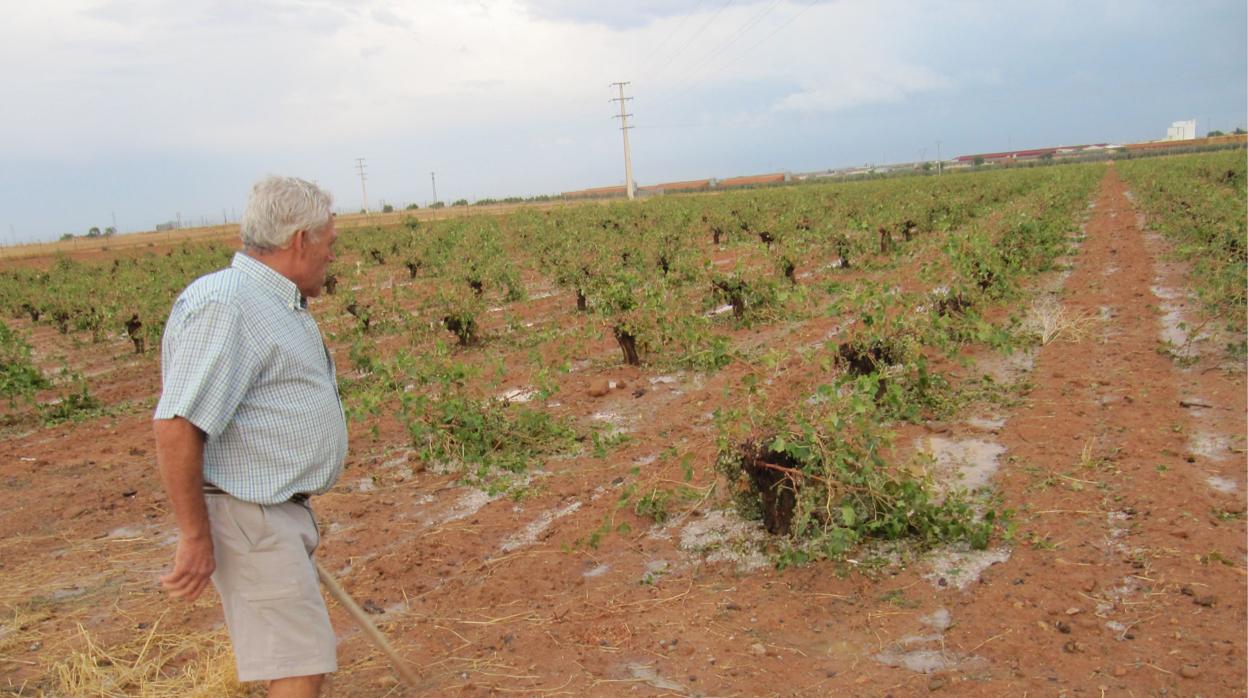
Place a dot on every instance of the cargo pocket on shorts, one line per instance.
(278, 624)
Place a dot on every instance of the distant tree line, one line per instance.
(93, 232)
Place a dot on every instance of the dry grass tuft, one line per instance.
(155, 665)
(1049, 320)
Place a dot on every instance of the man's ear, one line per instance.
(298, 242)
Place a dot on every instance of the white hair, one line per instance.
(281, 206)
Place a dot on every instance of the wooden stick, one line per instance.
(361, 618)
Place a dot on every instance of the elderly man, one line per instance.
(248, 426)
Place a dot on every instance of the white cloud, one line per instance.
(889, 85)
(483, 85)
(618, 15)
(387, 17)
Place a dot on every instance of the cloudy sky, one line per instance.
(145, 109)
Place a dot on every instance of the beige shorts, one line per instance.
(268, 586)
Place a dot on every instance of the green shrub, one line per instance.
(19, 377)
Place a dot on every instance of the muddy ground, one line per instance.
(1123, 458)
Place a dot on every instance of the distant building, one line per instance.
(1181, 131)
(1033, 154)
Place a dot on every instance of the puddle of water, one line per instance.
(920, 661)
(125, 532)
(724, 537)
(67, 594)
(968, 463)
(535, 528)
(654, 570)
(1211, 446)
(961, 568)
(1008, 369)
(648, 674)
(398, 460)
(992, 424)
(940, 620)
(469, 504)
(1172, 330)
(1118, 524)
(1222, 484)
(519, 395)
(597, 571)
(616, 422)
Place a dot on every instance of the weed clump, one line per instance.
(817, 478)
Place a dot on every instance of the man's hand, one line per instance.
(193, 564)
(180, 455)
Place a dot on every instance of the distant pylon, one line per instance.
(628, 157)
(359, 167)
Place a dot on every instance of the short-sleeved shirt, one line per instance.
(243, 360)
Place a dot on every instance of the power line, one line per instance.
(735, 36)
(741, 55)
(646, 62)
(696, 34)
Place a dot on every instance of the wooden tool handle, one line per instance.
(361, 618)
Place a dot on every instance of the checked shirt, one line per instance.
(243, 360)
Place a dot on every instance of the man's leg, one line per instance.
(296, 687)
(273, 606)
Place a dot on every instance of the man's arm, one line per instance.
(180, 456)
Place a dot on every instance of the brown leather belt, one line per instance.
(298, 498)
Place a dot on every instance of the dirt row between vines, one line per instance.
(1126, 574)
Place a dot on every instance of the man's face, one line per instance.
(317, 253)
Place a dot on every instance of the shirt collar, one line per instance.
(269, 279)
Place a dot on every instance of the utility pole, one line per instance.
(359, 167)
(433, 179)
(623, 117)
(114, 215)
(940, 164)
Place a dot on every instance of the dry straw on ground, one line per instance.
(153, 665)
(1048, 319)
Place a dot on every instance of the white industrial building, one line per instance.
(1181, 130)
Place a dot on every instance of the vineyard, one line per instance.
(978, 432)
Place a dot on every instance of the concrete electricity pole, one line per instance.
(628, 156)
(359, 167)
(433, 179)
(940, 165)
